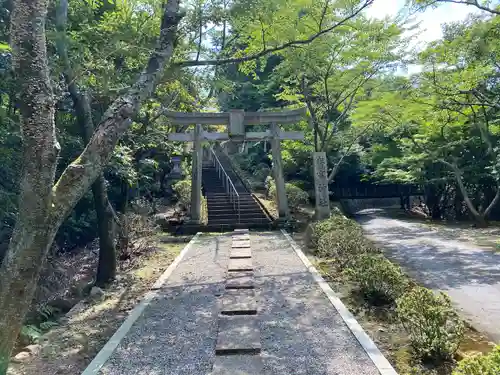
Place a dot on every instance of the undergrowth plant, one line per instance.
(484, 364)
(381, 281)
(434, 327)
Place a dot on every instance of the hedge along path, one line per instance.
(251, 304)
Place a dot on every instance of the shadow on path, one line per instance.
(470, 275)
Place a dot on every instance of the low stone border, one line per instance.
(100, 359)
(378, 359)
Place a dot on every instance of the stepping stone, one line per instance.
(238, 365)
(244, 252)
(239, 302)
(241, 231)
(241, 264)
(240, 280)
(241, 244)
(241, 237)
(238, 334)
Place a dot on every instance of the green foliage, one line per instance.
(182, 190)
(381, 281)
(440, 127)
(336, 221)
(46, 326)
(344, 246)
(434, 327)
(47, 312)
(30, 334)
(296, 196)
(485, 364)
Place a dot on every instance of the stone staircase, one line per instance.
(222, 212)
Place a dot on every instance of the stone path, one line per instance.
(240, 304)
(468, 274)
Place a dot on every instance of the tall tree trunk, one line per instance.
(106, 267)
(34, 231)
(44, 205)
(479, 217)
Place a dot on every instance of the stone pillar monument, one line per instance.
(321, 186)
(284, 212)
(196, 175)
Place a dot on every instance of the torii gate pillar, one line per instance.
(196, 175)
(283, 210)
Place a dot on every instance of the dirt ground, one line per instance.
(68, 348)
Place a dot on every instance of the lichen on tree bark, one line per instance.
(44, 205)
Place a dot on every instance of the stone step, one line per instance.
(240, 280)
(236, 231)
(219, 196)
(225, 199)
(246, 209)
(242, 196)
(241, 237)
(237, 253)
(238, 334)
(239, 302)
(231, 223)
(231, 215)
(234, 219)
(240, 264)
(238, 365)
(222, 205)
(238, 244)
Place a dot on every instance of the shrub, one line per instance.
(434, 327)
(183, 191)
(335, 222)
(488, 364)
(381, 281)
(343, 245)
(296, 196)
(300, 184)
(269, 186)
(261, 173)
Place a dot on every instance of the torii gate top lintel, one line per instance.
(224, 118)
(236, 120)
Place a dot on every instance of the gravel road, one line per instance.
(469, 274)
(177, 332)
(301, 332)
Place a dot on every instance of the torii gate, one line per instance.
(236, 120)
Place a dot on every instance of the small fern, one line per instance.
(45, 326)
(30, 334)
(47, 312)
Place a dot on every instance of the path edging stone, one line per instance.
(107, 350)
(378, 359)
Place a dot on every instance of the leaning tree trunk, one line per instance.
(44, 205)
(479, 217)
(34, 231)
(106, 267)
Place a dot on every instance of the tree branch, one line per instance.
(471, 2)
(267, 51)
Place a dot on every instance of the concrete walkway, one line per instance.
(301, 333)
(468, 274)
